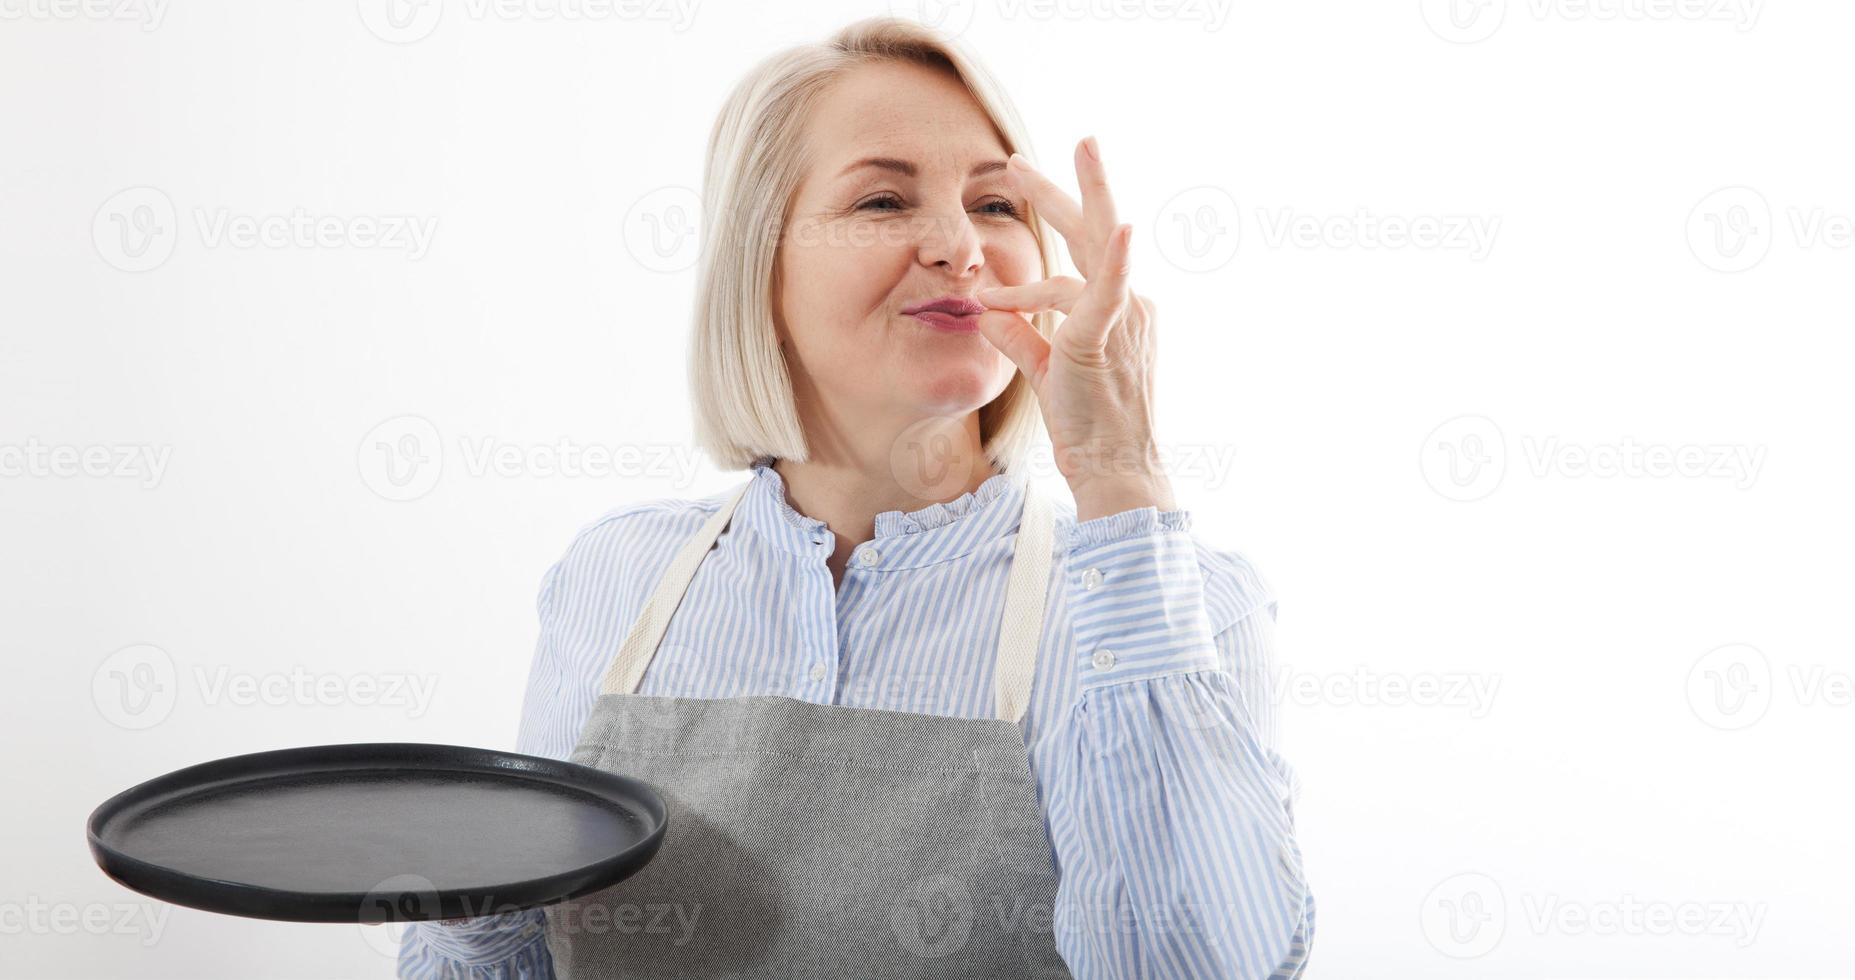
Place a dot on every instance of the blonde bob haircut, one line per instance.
(739, 379)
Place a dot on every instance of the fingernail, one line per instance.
(1015, 160)
(1094, 151)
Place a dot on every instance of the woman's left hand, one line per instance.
(1094, 378)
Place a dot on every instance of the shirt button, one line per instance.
(1103, 659)
(817, 672)
(869, 557)
(1091, 579)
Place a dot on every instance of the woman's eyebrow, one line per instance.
(908, 169)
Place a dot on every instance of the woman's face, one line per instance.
(866, 241)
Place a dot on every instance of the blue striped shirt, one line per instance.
(1150, 730)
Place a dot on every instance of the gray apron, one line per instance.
(817, 840)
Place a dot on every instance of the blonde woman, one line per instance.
(910, 717)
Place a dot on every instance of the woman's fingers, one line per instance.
(1085, 227)
(1054, 293)
(1018, 340)
(1097, 203)
(1056, 207)
(1103, 299)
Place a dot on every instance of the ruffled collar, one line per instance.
(903, 538)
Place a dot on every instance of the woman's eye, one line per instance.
(870, 204)
(1007, 207)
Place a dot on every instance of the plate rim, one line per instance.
(261, 902)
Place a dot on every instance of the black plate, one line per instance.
(377, 832)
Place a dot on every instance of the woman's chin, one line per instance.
(956, 386)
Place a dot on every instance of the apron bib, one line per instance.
(815, 840)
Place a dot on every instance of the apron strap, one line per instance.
(627, 669)
(1020, 628)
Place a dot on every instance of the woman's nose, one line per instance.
(949, 240)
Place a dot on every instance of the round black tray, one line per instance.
(377, 832)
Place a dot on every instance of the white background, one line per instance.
(1556, 677)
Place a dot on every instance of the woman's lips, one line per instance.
(968, 323)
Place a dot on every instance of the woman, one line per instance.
(910, 717)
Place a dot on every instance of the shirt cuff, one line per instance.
(509, 944)
(1136, 597)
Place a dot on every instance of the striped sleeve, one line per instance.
(511, 946)
(1176, 843)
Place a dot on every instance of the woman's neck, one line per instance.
(846, 490)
